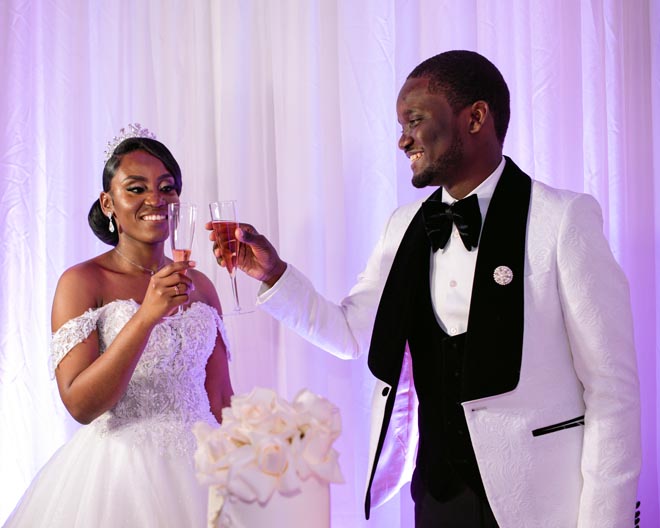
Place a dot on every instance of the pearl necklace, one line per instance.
(149, 271)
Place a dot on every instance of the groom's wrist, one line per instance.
(275, 274)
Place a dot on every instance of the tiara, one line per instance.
(135, 130)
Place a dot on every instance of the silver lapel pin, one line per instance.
(503, 275)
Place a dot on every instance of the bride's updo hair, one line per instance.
(100, 222)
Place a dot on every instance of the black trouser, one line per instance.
(465, 510)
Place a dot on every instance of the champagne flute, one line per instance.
(181, 217)
(223, 218)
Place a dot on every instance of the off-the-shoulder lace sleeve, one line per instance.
(223, 331)
(71, 333)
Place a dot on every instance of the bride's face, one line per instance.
(139, 193)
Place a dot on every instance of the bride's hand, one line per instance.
(169, 288)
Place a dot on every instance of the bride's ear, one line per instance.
(105, 200)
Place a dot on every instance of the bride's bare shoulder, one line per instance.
(87, 273)
(79, 288)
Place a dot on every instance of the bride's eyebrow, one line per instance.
(138, 177)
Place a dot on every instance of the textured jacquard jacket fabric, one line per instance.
(563, 447)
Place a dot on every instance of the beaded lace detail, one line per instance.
(166, 394)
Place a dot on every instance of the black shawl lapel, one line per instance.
(391, 325)
(388, 339)
(495, 326)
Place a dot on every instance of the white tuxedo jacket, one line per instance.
(562, 448)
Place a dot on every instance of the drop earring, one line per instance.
(111, 226)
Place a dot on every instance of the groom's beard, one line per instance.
(441, 170)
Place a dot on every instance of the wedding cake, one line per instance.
(271, 462)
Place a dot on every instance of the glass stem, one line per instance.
(234, 289)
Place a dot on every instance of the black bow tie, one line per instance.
(439, 216)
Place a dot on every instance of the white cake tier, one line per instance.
(309, 507)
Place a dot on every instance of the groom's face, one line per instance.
(430, 135)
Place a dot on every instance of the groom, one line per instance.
(505, 296)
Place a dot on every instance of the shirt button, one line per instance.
(456, 234)
(453, 330)
(452, 283)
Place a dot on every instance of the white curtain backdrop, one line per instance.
(288, 106)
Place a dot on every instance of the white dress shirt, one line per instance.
(452, 268)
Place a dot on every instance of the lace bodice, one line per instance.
(166, 394)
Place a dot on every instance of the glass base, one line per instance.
(242, 311)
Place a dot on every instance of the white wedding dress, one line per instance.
(133, 466)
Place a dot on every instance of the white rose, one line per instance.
(211, 454)
(272, 456)
(318, 413)
(252, 405)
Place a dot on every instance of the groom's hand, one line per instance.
(256, 255)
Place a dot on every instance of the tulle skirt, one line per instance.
(114, 480)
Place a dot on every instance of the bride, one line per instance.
(138, 373)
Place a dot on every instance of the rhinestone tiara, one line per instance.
(134, 130)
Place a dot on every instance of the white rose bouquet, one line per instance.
(266, 444)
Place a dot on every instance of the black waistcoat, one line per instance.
(445, 458)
